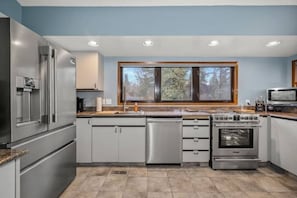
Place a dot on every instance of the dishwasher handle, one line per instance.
(164, 120)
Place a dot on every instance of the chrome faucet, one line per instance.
(125, 107)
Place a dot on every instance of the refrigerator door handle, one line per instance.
(46, 76)
(55, 114)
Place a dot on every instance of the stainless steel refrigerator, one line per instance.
(37, 109)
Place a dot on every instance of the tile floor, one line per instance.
(175, 182)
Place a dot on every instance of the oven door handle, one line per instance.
(228, 160)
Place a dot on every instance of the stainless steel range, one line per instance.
(235, 141)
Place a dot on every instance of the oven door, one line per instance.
(235, 141)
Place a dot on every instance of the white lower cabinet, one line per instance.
(83, 140)
(105, 144)
(119, 143)
(196, 140)
(10, 179)
(283, 144)
(263, 139)
(196, 156)
(132, 144)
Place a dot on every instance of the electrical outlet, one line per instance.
(108, 101)
(247, 102)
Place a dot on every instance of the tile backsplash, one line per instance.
(89, 97)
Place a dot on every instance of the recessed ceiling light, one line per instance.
(93, 44)
(272, 43)
(148, 43)
(213, 43)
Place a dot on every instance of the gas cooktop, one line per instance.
(235, 117)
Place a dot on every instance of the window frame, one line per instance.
(195, 81)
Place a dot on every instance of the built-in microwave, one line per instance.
(279, 96)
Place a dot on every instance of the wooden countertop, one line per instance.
(7, 155)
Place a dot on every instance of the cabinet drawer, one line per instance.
(195, 156)
(195, 144)
(196, 131)
(195, 122)
(118, 121)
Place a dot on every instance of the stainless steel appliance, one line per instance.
(164, 141)
(37, 82)
(235, 141)
(282, 96)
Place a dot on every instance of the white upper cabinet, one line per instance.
(89, 70)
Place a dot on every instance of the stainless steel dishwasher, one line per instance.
(164, 140)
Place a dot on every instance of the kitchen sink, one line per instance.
(129, 113)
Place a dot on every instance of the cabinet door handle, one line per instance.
(120, 130)
(89, 121)
(116, 129)
(95, 86)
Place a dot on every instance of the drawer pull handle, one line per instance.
(196, 128)
(196, 140)
(195, 152)
(195, 120)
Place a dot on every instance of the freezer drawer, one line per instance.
(41, 146)
(196, 131)
(49, 177)
(195, 144)
(196, 156)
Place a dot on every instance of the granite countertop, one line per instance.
(88, 114)
(291, 116)
(7, 155)
(205, 113)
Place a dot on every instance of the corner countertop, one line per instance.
(7, 155)
(289, 116)
(185, 114)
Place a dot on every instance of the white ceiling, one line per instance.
(182, 46)
(155, 2)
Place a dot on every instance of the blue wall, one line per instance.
(207, 20)
(12, 9)
(255, 74)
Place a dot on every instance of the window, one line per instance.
(294, 73)
(174, 82)
(215, 84)
(138, 84)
